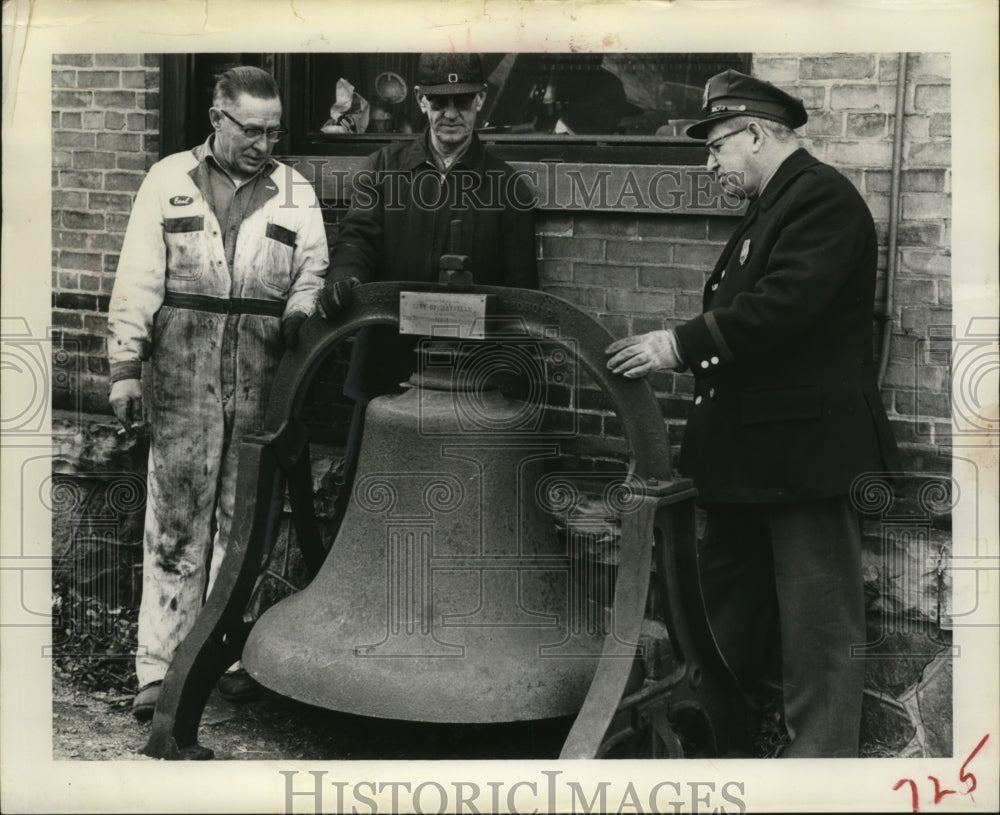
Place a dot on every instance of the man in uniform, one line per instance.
(399, 223)
(786, 411)
(223, 257)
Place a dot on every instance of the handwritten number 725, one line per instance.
(964, 776)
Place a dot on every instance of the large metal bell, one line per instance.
(448, 595)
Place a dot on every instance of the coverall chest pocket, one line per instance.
(186, 250)
(276, 270)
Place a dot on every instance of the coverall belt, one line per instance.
(225, 305)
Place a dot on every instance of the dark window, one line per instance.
(538, 106)
(577, 94)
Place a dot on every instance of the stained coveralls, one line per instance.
(204, 302)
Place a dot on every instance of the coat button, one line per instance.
(697, 400)
(723, 275)
(715, 360)
(711, 393)
(704, 363)
(715, 287)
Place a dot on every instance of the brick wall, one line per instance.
(851, 99)
(641, 273)
(633, 273)
(105, 135)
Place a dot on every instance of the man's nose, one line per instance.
(712, 163)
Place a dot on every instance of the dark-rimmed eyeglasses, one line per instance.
(463, 101)
(254, 133)
(714, 145)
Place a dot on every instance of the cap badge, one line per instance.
(716, 108)
(745, 252)
(452, 78)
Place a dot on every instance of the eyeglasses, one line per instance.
(713, 146)
(463, 101)
(254, 133)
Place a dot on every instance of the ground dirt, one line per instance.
(98, 726)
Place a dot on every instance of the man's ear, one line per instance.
(215, 117)
(421, 100)
(480, 100)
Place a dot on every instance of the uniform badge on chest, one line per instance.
(745, 252)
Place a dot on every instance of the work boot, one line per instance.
(238, 686)
(144, 703)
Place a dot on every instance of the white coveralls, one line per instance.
(211, 327)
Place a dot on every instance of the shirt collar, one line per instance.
(420, 152)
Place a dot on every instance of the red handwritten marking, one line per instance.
(914, 798)
(966, 778)
(963, 776)
(938, 792)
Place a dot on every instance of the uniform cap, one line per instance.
(732, 94)
(450, 73)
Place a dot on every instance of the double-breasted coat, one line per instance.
(786, 405)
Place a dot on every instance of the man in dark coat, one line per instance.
(786, 411)
(399, 223)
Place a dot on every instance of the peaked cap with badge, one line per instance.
(732, 94)
(449, 73)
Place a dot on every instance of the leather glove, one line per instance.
(337, 296)
(126, 402)
(290, 328)
(644, 353)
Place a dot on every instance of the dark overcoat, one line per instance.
(399, 225)
(401, 211)
(786, 405)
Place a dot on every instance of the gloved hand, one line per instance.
(126, 402)
(643, 353)
(290, 328)
(337, 295)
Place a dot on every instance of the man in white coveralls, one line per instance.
(223, 257)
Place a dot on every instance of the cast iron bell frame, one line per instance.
(661, 530)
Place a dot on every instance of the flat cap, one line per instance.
(734, 94)
(449, 73)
